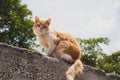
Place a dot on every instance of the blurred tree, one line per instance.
(110, 63)
(15, 23)
(92, 50)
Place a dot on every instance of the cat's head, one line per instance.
(41, 26)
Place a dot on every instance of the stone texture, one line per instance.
(22, 64)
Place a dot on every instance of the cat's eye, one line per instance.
(38, 25)
(45, 26)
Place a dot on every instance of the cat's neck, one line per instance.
(49, 35)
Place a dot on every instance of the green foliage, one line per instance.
(110, 63)
(91, 49)
(93, 55)
(15, 23)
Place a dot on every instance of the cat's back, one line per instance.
(65, 37)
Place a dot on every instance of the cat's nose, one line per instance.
(40, 28)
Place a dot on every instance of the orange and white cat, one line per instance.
(59, 45)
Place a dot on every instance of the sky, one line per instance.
(82, 18)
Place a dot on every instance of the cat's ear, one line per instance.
(37, 19)
(47, 22)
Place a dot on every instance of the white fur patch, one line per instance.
(69, 77)
(52, 35)
(66, 57)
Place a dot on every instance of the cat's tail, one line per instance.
(74, 70)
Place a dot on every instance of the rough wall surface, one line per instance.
(22, 64)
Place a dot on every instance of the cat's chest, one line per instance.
(47, 40)
(43, 43)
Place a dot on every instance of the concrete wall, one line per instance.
(22, 64)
